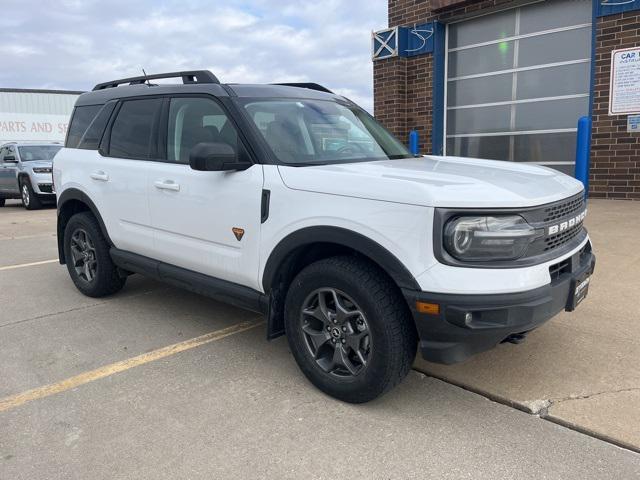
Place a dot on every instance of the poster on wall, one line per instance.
(624, 84)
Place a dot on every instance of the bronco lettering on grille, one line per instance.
(567, 224)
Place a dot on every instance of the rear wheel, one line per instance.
(349, 329)
(30, 200)
(87, 256)
(2, 200)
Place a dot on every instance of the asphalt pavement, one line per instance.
(156, 383)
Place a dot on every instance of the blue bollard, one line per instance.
(414, 142)
(583, 149)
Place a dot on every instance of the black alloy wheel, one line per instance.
(336, 332)
(83, 255)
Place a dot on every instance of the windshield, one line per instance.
(301, 131)
(38, 152)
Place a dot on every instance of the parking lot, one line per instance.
(156, 382)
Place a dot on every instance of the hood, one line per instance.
(437, 182)
(38, 163)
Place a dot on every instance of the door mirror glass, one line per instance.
(215, 157)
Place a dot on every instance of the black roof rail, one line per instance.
(310, 86)
(193, 76)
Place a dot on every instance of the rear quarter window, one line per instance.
(93, 135)
(80, 121)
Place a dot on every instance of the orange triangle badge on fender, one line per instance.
(238, 232)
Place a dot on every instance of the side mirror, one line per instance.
(215, 157)
(10, 160)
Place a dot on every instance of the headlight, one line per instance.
(41, 169)
(485, 238)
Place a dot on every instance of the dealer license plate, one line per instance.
(579, 290)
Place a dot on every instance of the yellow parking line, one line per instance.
(32, 264)
(14, 401)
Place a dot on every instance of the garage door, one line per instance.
(517, 82)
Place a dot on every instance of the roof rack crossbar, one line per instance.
(194, 76)
(310, 86)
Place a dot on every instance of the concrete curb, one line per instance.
(540, 410)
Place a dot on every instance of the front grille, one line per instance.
(555, 241)
(563, 216)
(566, 208)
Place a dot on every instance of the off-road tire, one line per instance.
(393, 334)
(30, 200)
(107, 279)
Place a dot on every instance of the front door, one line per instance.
(208, 222)
(8, 170)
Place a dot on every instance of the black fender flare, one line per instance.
(340, 236)
(74, 194)
(22, 175)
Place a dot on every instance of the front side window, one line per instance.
(10, 154)
(38, 152)
(302, 131)
(132, 131)
(197, 120)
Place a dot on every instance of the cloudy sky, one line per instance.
(74, 44)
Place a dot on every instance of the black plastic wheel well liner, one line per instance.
(354, 241)
(74, 201)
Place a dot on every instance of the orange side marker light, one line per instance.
(429, 308)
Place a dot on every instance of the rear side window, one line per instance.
(82, 117)
(132, 131)
(91, 138)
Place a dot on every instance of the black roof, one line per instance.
(198, 81)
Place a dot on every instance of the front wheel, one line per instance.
(349, 329)
(30, 200)
(87, 256)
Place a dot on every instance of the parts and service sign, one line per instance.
(624, 94)
(25, 127)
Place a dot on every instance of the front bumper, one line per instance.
(450, 336)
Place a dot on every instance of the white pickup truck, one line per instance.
(292, 201)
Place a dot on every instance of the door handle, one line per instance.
(167, 185)
(100, 176)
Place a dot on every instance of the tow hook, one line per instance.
(515, 338)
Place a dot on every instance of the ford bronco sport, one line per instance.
(291, 201)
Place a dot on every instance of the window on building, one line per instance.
(518, 81)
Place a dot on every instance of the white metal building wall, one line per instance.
(32, 115)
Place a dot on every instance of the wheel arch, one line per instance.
(70, 202)
(309, 244)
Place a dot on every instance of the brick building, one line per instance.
(509, 79)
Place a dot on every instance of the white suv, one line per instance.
(292, 201)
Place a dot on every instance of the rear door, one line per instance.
(208, 222)
(118, 173)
